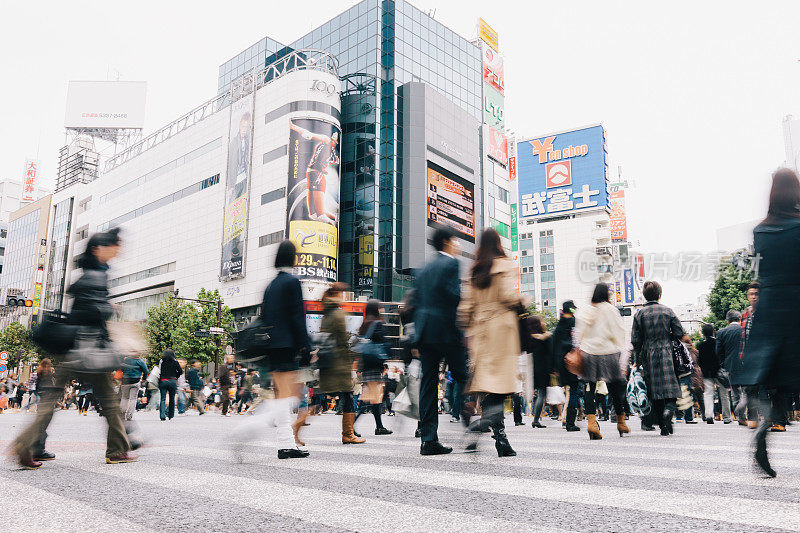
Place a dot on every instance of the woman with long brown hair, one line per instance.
(337, 378)
(489, 311)
(542, 355)
(771, 359)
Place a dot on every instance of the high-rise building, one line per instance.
(381, 45)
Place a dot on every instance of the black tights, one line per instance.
(617, 391)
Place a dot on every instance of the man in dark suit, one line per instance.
(729, 344)
(438, 291)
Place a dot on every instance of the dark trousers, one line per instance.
(117, 440)
(576, 390)
(538, 403)
(167, 386)
(617, 391)
(430, 357)
(226, 400)
(516, 401)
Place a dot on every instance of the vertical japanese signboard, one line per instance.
(562, 173)
(493, 69)
(237, 185)
(312, 216)
(628, 280)
(514, 232)
(619, 224)
(29, 180)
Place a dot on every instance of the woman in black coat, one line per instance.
(542, 353)
(771, 357)
(372, 376)
(562, 345)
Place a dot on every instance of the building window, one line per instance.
(277, 153)
(271, 196)
(272, 238)
(142, 274)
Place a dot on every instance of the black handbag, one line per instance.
(252, 342)
(724, 378)
(92, 354)
(54, 335)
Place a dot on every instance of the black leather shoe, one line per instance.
(292, 453)
(572, 428)
(647, 427)
(383, 431)
(44, 456)
(537, 425)
(434, 447)
(709, 420)
(690, 421)
(519, 423)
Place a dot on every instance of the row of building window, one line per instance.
(175, 163)
(302, 105)
(142, 274)
(271, 196)
(161, 202)
(272, 238)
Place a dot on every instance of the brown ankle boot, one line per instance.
(593, 429)
(347, 430)
(622, 427)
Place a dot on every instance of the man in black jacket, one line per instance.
(438, 290)
(562, 345)
(728, 347)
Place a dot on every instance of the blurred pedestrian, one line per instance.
(227, 383)
(543, 366)
(654, 327)
(750, 398)
(437, 336)
(727, 348)
(168, 383)
(490, 312)
(133, 370)
(600, 335)
(195, 387)
(288, 349)
(90, 309)
(771, 357)
(337, 378)
(372, 380)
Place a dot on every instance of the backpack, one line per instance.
(636, 393)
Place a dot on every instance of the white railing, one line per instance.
(304, 59)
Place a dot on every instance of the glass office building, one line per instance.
(380, 45)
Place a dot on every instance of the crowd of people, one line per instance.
(464, 352)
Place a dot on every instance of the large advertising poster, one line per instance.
(619, 224)
(451, 202)
(313, 197)
(237, 183)
(497, 145)
(365, 212)
(562, 173)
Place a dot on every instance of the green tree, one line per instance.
(16, 341)
(173, 322)
(729, 292)
(549, 320)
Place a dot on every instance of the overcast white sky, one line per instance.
(691, 94)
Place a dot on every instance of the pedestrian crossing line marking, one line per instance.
(729, 509)
(702, 475)
(307, 504)
(598, 450)
(19, 517)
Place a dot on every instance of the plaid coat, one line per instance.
(654, 327)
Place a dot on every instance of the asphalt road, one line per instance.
(699, 479)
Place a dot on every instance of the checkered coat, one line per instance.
(654, 327)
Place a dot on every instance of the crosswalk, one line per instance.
(701, 478)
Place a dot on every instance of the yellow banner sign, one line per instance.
(488, 35)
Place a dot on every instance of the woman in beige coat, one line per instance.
(489, 311)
